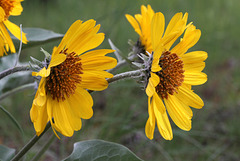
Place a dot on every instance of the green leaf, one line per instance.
(99, 150)
(6, 153)
(38, 36)
(15, 122)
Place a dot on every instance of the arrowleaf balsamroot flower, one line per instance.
(62, 97)
(142, 25)
(9, 8)
(172, 73)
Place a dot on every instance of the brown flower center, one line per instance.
(63, 79)
(171, 76)
(7, 6)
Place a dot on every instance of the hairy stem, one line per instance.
(125, 75)
(13, 70)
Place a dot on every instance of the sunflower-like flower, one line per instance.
(9, 8)
(172, 73)
(142, 25)
(62, 97)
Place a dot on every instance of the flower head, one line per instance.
(172, 73)
(9, 8)
(62, 97)
(142, 25)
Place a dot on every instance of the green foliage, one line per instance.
(6, 153)
(39, 36)
(99, 150)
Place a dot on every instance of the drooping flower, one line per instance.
(9, 8)
(62, 97)
(172, 73)
(142, 25)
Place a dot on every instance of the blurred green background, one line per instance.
(120, 112)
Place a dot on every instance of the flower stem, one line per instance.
(29, 145)
(13, 70)
(18, 89)
(124, 75)
(44, 148)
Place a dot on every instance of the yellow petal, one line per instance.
(17, 9)
(41, 121)
(99, 73)
(139, 18)
(85, 38)
(150, 11)
(82, 29)
(149, 129)
(74, 120)
(60, 119)
(178, 112)
(95, 53)
(194, 57)
(190, 38)
(168, 40)
(177, 17)
(85, 31)
(15, 30)
(93, 82)
(163, 123)
(56, 59)
(150, 112)
(39, 116)
(81, 103)
(7, 38)
(34, 113)
(90, 43)
(132, 21)
(40, 100)
(189, 97)
(70, 33)
(164, 126)
(152, 83)
(194, 67)
(49, 108)
(156, 57)
(41, 87)
(139, 31)
(50, 105)
(98, 63)
(194, 78)
(157, 28)
(43, 72)
(2, 14)
(157, 102)
(40, 97)
(175, 28)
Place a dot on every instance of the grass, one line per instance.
(120, 112)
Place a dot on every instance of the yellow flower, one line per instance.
(62, 97)
(8, 8)
(142, 25)
(172, 73)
